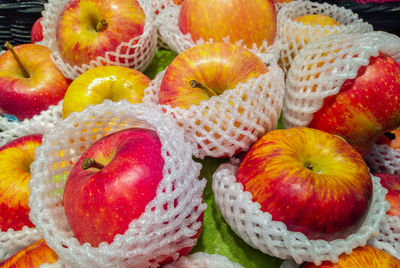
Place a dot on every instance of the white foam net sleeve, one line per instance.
(170, 219)
(295, 35)
(383, 158)
(174, 39)
(203, 260)
(389, 237)
(321, 67)
(232, 121)
(11, 241)
(137, 53)
(289, 264)
(258, 229)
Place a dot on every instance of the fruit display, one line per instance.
(194, 133)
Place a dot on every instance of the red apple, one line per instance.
(15, 159)
(87, 29)
(392, 183)
(105, 82)
(365, 107)
(313, 181)
(111, 184)
(29, 81)
(37, 31)
(366, 256)
(251, 21)
(33, 256)
(390, 138)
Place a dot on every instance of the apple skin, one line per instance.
(219, 66)
(391, 139)
(32, 256)
(78, 41)
(392, 183)
(355, 114)
(312, 181)
(316, 19)
(26, 97)
(366, 256)
(100, 203)
(15, 159)
(250, 21)
(105, 82)
(37, 31)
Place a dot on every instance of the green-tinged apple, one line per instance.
(101, 83)
(37, 31)
(15, 160)
(87, 29)
(366, 107)
(366, 257)
(313, 181)
(29, 81)
(32, 256)
(204, 71)
(251, 21)
(111, 184)
(392, 183)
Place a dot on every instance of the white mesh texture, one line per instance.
(231, 121)
(294, 35)
(203, 260)
(136, 54)
(321, 67)
(158, 232)
(174, 39)
(258, 229)
(383, 158)
(389, 237)
(12, 241)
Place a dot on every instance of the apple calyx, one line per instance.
(391, 136)
(90, 163)
(101, 25)
(196, 84)
(12, 50)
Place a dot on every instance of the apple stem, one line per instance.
(196, 84)
(12, 50)
(101, 25)
(90, 163)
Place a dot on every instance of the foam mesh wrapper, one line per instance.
(321, 68)
(170, 219)
(158, 6)
(174, 39)
(258, 229)
(137, 53)
(11, 241)
(203, 260)
(225, 124)
(293, 35)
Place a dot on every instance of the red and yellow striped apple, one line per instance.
(105, 82)
(251, 21)
(313, 181)
(87, 29)
(29, 81)
(367, 257)
(32, 256)
(392, 183)
(203, 71)
(37, 31)
(15, 159)
(365, 107)
(111, 184)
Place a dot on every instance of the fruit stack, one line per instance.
(194, 133)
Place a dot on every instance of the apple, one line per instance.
(29, 81)
(251, 21)
(15, 159)
(365, 256)
(316, 19)
(204, 71)
(390, 138)
(111, 184)
(87, 29)
(32, 256)
(104, 82)
(313, 181)
(392, 183)
(365, 107)
(37, 31)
